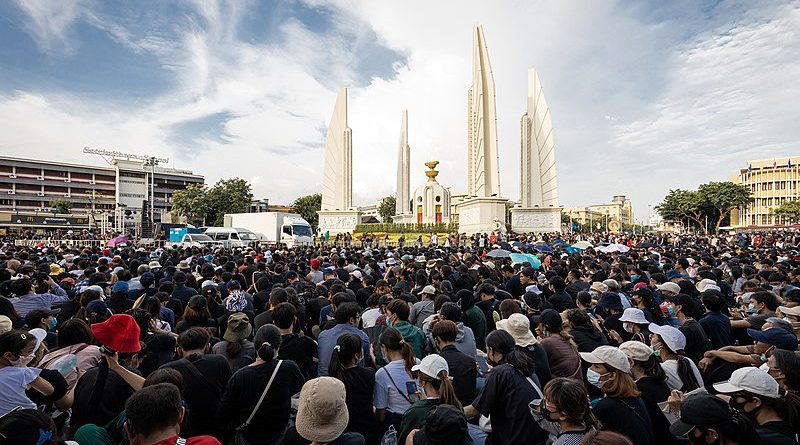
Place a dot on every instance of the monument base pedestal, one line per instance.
(338, 221)
(407, 218)
(482, 215)
(536, 220)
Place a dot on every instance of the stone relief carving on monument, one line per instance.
(534, 219)
(468, 216)
(337, 222)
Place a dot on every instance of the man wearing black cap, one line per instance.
(707, 419)
(181, 291)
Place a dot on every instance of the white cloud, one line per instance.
(639, 104)
(50, 23)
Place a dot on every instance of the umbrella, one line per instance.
(613, 248)
(582, 245)
(499, 253)
(505, 246)
(558, 242)
(519, 258)
(645, 245)
(545, 249)
(114, 242)
(570, 250)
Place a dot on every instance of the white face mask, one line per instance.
(22, 361)
(628, 328)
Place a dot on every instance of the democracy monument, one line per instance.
(483, 209)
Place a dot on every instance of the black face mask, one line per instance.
(740, 407)
(700, 440)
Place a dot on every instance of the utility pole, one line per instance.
(147, 161)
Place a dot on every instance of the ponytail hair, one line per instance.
(265, 351)
(442, 383)
(652, 367)
(686, 373)
(344, 353)
(393, 340)
(570, 397)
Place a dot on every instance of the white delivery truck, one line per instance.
(274, 227)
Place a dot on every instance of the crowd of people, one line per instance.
(600, 339)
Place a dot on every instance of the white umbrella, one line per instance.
(613, 248)
(583, 245)
(499, 253)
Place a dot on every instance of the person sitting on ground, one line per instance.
(565, 404)
(461, 367)
(707, 419)
(154, 416)
(651, 381)
(562, 352)
(435, 389)
(322, 416)
(668, 343)
(620, 409)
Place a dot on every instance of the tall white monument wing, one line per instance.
(403, 194)
(539, 186)
(337, 183)
(483, 173)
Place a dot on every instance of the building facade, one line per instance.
(104, 197)
(772, 182)
(599, 215)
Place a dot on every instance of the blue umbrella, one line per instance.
(570, 250)
(519, 258)
(545, 249)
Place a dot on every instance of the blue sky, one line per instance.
(645, 95)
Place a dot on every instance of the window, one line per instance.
(234, 235)
(287, 230)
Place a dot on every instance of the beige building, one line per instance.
(772, 182)
(583, 215)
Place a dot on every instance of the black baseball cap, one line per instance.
(701, 410)
(444, 425)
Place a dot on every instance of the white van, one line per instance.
(232, 237)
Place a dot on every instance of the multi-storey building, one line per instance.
(772, 182)
(113, 196)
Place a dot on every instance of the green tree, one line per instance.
(61, 206)
(227, 196)
(723, 197)
(680, 205)
(191, 202)
(307, 207)
(789, 210)
(207, 206)
(386, 208)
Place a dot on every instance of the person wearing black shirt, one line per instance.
(462, 367)
(298, 348)
(560, 299)
(244, 390)
(510, 388)
(487, 304)
(697, 342)
(651, 381)
(204, 379)
(359, 383)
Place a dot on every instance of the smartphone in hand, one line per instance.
(412, 390)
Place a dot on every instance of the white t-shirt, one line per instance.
(670, 368)
(13, 383)
(369, 317)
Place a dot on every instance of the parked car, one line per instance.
(198, 240)
(232, 237)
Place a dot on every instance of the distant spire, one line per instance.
(337, 182)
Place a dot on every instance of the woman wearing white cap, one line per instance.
(651, 381)
(668, 343)
(757, 395)
(620, 409)
(432, 373)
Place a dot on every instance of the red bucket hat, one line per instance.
(119, 333)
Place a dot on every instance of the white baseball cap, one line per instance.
(752, 380)
(429, 290)
(432, 365)
(672, 337)
(636, 350)
(634, 315)
(608, 355)
(40, 334)
(357, 274)
(701, 286)
(669, 286)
